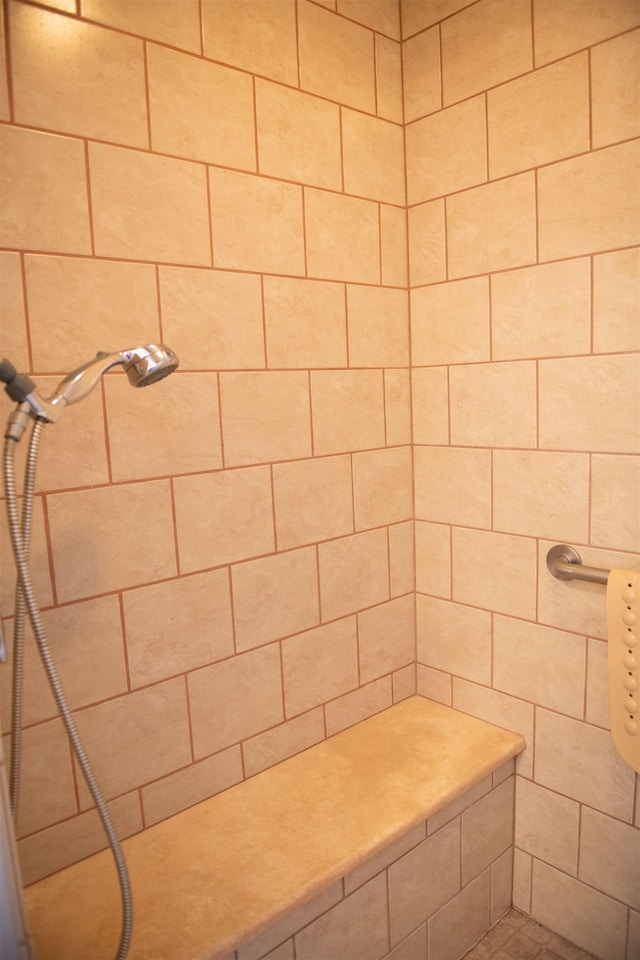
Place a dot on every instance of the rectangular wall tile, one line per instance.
(342, 237)
(180, 26)
(461, 923)
(549, 669)
(590, 203)
(354, 573)
(97, 92)
(397, 406)
(609, 857)
(234, 699)
(393, 246)
(118, 735)
(388, 55)
(480, 414)
(285, 740)
(163, 447)
(347, 410)
(212, 514)
(541, 311)
(336, 58)
(505, 711)
(415, 891)
(548, 504)
(88, 671)
(386, 638)
(454, 638)
(539, 118)
(319, 665)
(562, 744)
(401, 558)
(305, 323)
(44, 196)
(453, 485)
(378, 325)
(382, 487)
(256, 223)
(213, 319)
(616, 301)
(200, 110)
(47, 792)
(615, 492)
(265, 416)
(447, 151)
(77, 305)
(313, 500)
(180, 790)
(450, 322)
(62, 844)
(260, 39)
(427, 243)
(298, 136)
(274, 597)
(430, 405)
(492, 227)
(487, 830)
(421, 73)
(13, 329)
(615, 73)
(596, 709)
(357, 705)
(147, 207)
(580, 610)
(356, 925)
(547, 825)
(95, 552)
(384, 17)
(486, 45)
(512, 587)
(73, 462)
(433, 558)
(372, 157)
(590, 403)
(560, 29)
(418, 14)
(155, 614)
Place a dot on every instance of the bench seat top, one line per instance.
(220, 872)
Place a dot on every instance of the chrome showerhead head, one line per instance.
(146, 365)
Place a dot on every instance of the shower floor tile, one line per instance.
(517, 937)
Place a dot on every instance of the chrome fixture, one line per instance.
(564, 563)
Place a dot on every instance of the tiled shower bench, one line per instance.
(391, 839)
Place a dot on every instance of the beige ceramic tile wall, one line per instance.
(522, 183)
(228, 178)
(225, 561)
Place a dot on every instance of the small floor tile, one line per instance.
(518, 937)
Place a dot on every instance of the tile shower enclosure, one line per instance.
(395, 247)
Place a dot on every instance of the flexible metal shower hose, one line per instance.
(20, 535)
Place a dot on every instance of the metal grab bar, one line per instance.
(564, 563)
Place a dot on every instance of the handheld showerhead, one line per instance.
(143, 365)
